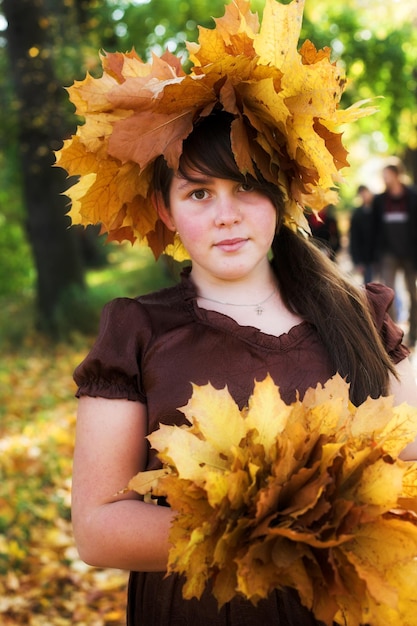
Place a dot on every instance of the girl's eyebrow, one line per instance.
(186, 182)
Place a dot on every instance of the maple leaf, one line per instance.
(310, 495)
(285, 104)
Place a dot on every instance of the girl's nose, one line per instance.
(228, 212)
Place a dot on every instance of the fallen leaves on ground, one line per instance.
(42, 580)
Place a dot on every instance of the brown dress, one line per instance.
(151, 349)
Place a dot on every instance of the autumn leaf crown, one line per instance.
(284, 103)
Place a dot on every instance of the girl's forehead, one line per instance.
(181, 182)
(189, 171)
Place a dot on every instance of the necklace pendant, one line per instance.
(259, 309)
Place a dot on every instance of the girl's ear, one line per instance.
(163, 211)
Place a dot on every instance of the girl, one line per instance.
(236, 315)
(222, 159)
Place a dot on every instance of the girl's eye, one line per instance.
(246, 187)
(199, 194)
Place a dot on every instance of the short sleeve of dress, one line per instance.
(380, 299)
(111, 369)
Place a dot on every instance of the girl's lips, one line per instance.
(231, 245)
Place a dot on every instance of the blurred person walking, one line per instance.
(362, 235)
(395, 218)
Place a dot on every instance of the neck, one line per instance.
(271, 316)
(250, 289)
(258, 307)
(396, 189)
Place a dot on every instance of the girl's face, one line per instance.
(226, 226)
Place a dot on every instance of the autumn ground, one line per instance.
(42, 580)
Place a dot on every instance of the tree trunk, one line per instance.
(410, 162)
(41, 105)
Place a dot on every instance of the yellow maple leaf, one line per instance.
(410, 481)
(192, 457)
(233, 35)
(382, 485)
(280, 23)
(90, 95)
(148, 482)
(76, 159)
(267, 413)
(379, 553)
(213, 411)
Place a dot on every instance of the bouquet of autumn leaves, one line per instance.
(311, 495)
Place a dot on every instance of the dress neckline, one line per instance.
(250, 334)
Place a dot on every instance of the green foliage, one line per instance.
(158, 24)
(16, 268)
(378, 45)
(130, 272)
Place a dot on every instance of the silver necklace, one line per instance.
(258, 308)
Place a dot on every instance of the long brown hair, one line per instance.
(310, 284)
(314, 287)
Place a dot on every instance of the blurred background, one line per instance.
(55, 279)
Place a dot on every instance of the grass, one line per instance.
(131, 271)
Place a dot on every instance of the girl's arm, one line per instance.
(113, 530)
(405, 390)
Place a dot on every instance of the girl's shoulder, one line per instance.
(166, 297)
(146, 315)
(380, 298)
(128, 326)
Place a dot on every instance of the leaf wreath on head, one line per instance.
(285, 107)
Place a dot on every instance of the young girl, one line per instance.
(234, 317)
(258, 298)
